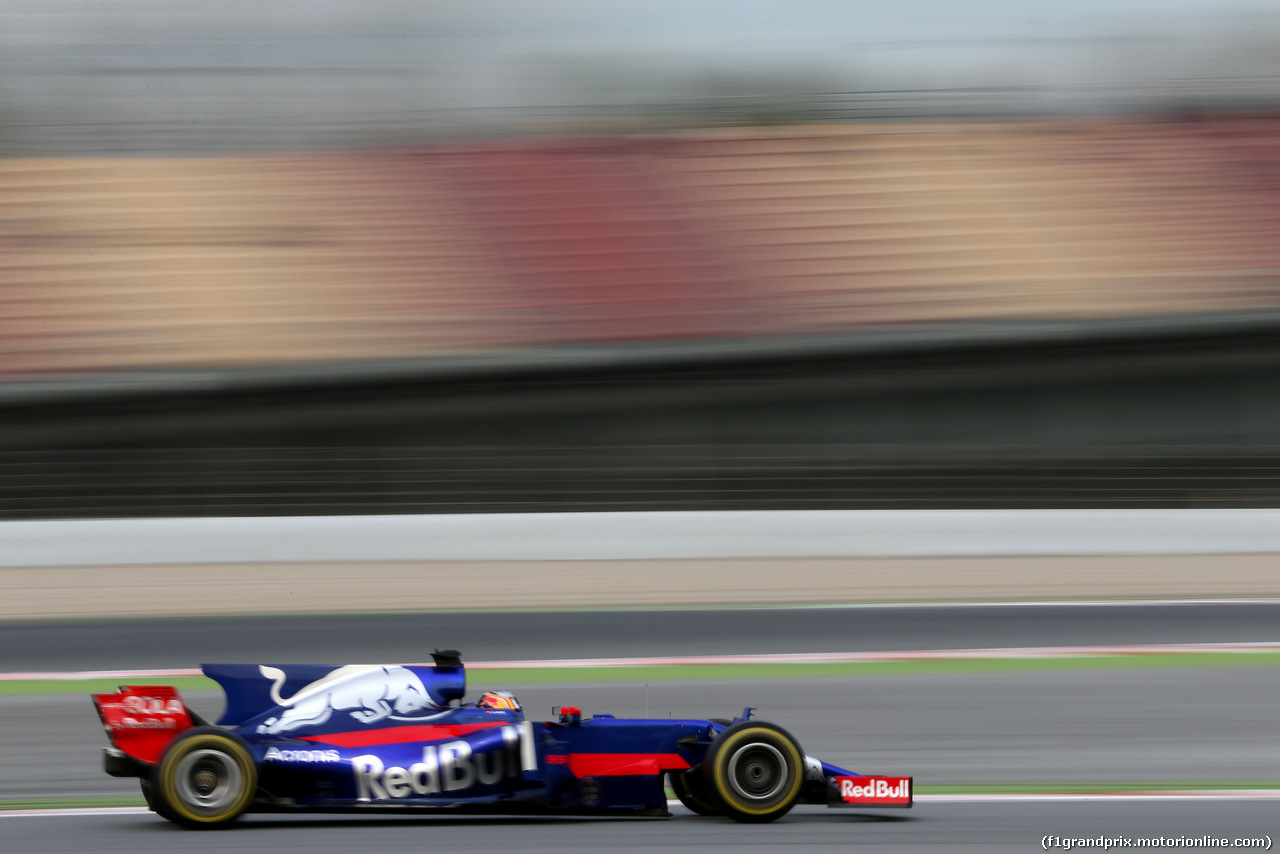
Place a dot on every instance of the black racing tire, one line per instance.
(755, 770)
(692, 790)
(149, 795)
(206, 779)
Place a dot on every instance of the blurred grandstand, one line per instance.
(217, 262)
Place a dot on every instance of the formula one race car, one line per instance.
(398, 738)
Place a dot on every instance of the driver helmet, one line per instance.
(499, 700)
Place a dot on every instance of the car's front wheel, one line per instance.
(755, 770)
(205, 779)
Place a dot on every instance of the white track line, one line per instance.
(988, 798)
(776, 658)
(898, 655)
(1199, 795)
(74, 676)
(1006, 603)
(75, 811)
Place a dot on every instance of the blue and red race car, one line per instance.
(379, 738)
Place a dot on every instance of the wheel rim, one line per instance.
(757, 771)
(208, 781)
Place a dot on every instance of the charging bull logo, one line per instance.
(370, 693)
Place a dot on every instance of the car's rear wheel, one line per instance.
(755, 771)
(694, 792)
(205, 779)
(153, 803)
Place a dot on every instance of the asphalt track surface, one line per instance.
(1173, 725)
(1004, 727)
(155, 643)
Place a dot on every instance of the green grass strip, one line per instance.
(69, 803)
(1033, 664)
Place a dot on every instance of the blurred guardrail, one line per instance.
(639, 536)
(284, 479)
(1107, 416)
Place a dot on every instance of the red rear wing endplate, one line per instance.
(141, 720)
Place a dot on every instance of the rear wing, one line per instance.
(141, 720)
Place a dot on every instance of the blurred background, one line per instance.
(394, 256)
